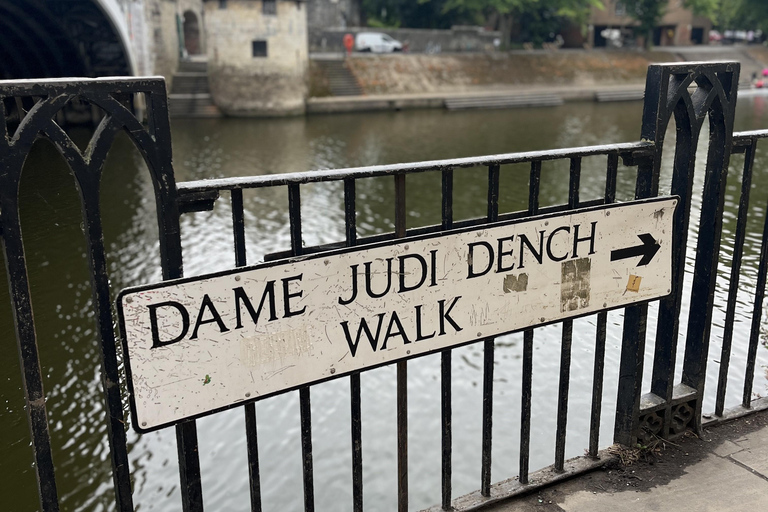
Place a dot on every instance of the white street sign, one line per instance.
(194, 346)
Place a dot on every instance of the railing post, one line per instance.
(689, 92)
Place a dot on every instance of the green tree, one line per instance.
(745, 14)
(407, 13)
(536, 17)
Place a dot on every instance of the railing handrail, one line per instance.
(191, 187)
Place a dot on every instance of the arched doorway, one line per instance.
(191, 33)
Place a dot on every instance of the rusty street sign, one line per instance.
(197, 345)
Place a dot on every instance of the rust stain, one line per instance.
(658, 214)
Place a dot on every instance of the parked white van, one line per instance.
(376, 42)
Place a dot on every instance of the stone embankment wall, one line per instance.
(257, 62)
(457, 39)
(449, 73)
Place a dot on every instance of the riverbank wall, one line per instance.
(403, 81)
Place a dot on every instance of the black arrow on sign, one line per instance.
(648, 250)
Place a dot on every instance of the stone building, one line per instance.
(257, 56)
(162, 32)
(678, 27)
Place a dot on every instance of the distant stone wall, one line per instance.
(460, 73)
(257, 63)
(457, 39)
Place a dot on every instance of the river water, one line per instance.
(237, 147)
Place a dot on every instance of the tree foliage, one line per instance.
(742, 14)
(536, 18)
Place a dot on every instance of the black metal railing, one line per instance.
(690, 94)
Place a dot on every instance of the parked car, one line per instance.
(377, 42)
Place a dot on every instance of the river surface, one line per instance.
(236, 147)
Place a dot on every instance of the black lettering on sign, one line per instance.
(536, 254)
(363, 327)
(287, 296)
(471, 259)
(369, 278)
(354, 287)
(156, 341)
(500, 266)
(241, 298)
(590, 239)
(445, 314)
(395, 327)
(399, 332)
(207, 304)
(422, 271)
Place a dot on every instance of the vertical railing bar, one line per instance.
(488, 354)
(26, 337)
(534, 183)
(567, 336)
(534, 187)
(493, 192)
(168, 220)
(356, 427)
(597, 383)
(754, 334)
(562, 395)
(668, 322)
(350, 212)
(254, 477)
(251, 431)
(238, 226)
(611, 178)
(574, 182)
(698, 333)
(632, 356)
(487, 438)
(445, 363)
(305, 408)
(525, 406)
(189, 466)
(733, 284)
(402, 370)
(630, 373)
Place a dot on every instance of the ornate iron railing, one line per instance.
(689, 93)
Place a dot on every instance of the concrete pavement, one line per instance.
(724, 470)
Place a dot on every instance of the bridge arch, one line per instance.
(62, 38)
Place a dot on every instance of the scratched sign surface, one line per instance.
(198, 345)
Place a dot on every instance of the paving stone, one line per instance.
(715, 484)
(727, 448)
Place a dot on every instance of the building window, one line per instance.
(621, 9)
(259, 48)
(269, 7)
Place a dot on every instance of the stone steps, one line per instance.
(623, 95)
(341, 81)
(504, 101)
(190, 95)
